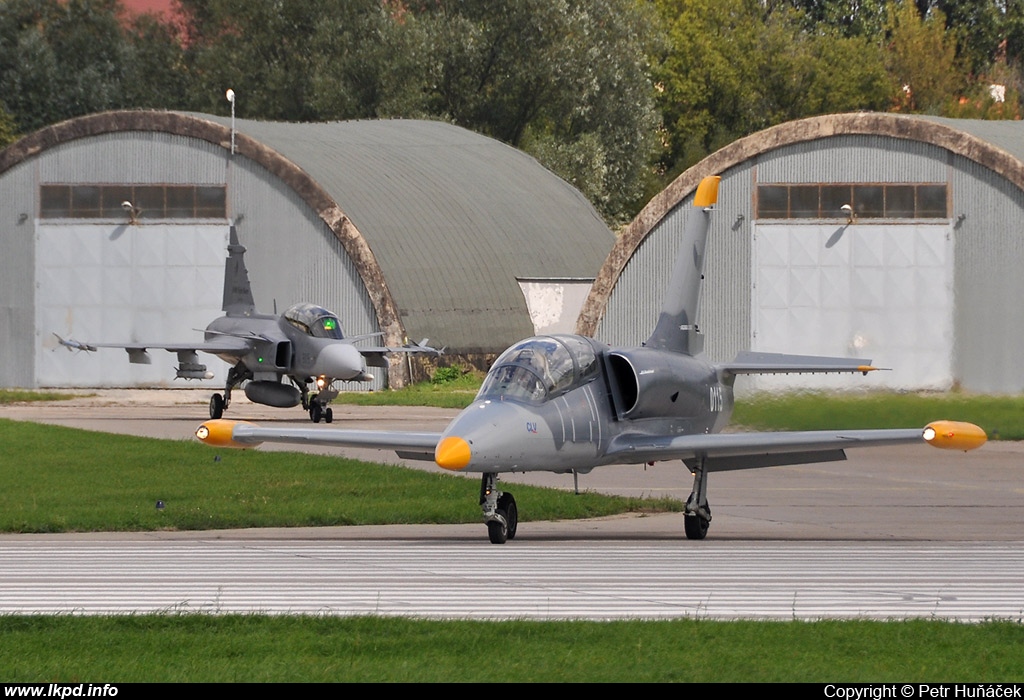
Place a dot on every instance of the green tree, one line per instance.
(921, 58)
(65, 58)
(733, 67)
(563, 79)
(8, 129)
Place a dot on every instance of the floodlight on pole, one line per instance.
(230, 94)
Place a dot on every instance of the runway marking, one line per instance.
(592, 580)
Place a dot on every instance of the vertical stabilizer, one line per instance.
(238, 299)
(678, 316)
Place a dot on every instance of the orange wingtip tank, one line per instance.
(954, 435)
(221, 433)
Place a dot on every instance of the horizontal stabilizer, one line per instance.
(778, 363)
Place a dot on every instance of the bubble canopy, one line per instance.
(315, 321)
(541, 368)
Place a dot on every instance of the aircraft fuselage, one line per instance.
(567, 423)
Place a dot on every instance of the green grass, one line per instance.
(24, 395)
(457, 393)
(62, 480)
(198, 648)
(1002, 417)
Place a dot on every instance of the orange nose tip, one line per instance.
(452, 453)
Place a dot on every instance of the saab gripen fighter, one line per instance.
(306, 345)
(565, 403)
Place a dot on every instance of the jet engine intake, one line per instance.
(654, 384)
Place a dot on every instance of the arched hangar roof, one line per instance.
(996, 145)
(439, 221)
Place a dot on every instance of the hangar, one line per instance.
(410, 229)
(890, 237)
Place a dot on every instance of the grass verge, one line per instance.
(64, 480)
(252, 648)
(999, 416)
(25, 395)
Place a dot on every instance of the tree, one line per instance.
(737, 66)
(921, 57)
(62, 59)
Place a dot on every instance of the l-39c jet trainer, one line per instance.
(565, 403)
(306, 345)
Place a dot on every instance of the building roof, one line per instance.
(439, 221)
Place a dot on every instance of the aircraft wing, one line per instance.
(776, 363)
(220, 345)
(229, 433)
(728, 451)
(375, 355)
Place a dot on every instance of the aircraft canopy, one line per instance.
(541, 368)
(315, 321)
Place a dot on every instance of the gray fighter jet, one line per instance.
(305, 344)
(566, 403)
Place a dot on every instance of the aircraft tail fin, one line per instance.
(238, 299)
(677, 321)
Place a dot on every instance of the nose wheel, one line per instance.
(318, 412)
(500, 511)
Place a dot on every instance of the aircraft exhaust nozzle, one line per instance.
(221, 433)
(954, 435)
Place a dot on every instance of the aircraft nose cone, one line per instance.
(340, 361)
(452, 453)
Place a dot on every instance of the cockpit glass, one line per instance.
(315, 321)
(540, 368)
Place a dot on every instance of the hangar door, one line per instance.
(153, 282)
(880, 291)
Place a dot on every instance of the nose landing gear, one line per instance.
(500, 511)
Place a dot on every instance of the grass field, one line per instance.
(61, 480)
(26, 395)
(195, 648)
(1002, 417)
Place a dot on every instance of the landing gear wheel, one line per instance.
(507, 505)
(329, 416)
(497, 531)
(216, 406)
(696, 527)
(316, 412)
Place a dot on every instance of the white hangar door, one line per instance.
(125, 284)
(878, 291)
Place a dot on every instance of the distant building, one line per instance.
(406, 229)
(921, 273)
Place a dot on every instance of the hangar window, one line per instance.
(147, 201)
(868, 201)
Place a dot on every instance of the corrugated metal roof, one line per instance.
(452, 217)
(1005, 134)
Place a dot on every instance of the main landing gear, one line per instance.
(500, 511)
(698, 512)
(218, 403)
